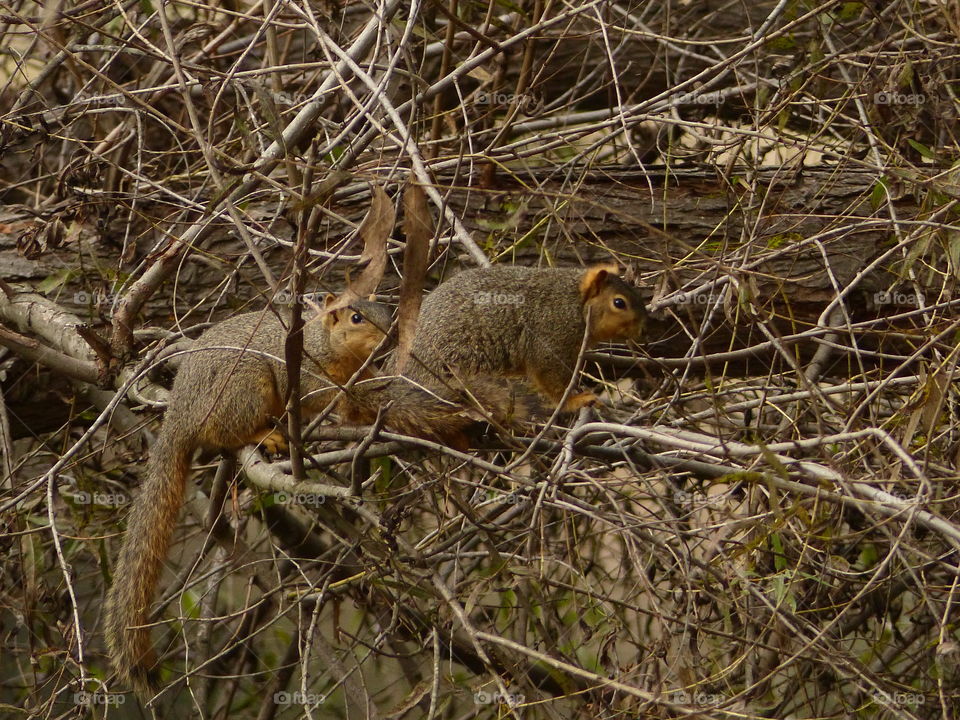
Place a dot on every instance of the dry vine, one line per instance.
(761, 522)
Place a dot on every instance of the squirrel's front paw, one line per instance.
(272, 441)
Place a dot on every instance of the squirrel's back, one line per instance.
(228, 388)
(484, 324)
(235, 378)
(507, 319)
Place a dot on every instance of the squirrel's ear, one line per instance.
(329, 299)
(372, 297)
(594, 280)
(331, 318)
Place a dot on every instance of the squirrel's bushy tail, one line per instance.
(150, 527)
(439, 410)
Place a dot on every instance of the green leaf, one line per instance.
(782, 44)
(512, 7)
(783, 117)
(189, 605)
(922, 149)
(778, 241)
(868, 557)
(878, 196)
(779, 559)
(849, 11)
(905, 78)
(594, 616)
(58, 279)
(508, 604)
(385, 466)
(782, 593)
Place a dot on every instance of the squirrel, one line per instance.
(488, 323)
(223, 397)
(474, 330)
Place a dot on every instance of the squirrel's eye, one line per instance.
(356, 318)
(619, 303)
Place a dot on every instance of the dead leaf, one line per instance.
(40, 237)
(418, 227)
(375, 231)
(10, 228)
(408, 703)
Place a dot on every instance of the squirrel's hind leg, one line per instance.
(242, 411)
(580, 400)
(553, 381)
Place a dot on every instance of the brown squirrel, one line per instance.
(475, 329)
(484, 324)
(224, 395)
